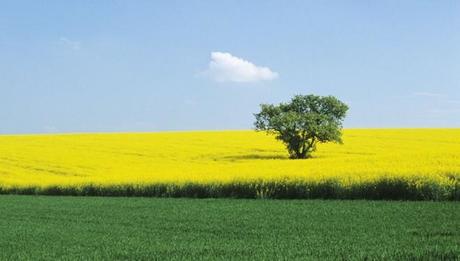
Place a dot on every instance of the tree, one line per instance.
(304, 122)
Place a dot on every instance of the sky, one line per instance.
(121, 66)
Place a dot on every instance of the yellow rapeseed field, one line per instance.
(223, 157)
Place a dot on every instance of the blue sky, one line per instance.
(103, 66)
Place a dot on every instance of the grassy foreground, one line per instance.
(92, 228)
(410, 164)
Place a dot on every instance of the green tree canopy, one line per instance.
(303, 122)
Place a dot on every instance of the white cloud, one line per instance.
(69, 43)
(225, 67)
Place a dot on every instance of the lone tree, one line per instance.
(302, 123)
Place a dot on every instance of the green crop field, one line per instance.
(91, 228)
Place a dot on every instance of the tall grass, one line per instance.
(384, 189)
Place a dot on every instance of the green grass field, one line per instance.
(40, 227)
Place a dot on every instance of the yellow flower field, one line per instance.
(416, 158)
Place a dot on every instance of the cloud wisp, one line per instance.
(441, 104)
(69, 43)
(224, 67)
(428, 94)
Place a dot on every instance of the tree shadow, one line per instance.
(274, 155)
(256, 157)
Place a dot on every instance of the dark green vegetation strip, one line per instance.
(381, 189)
(92, 228)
